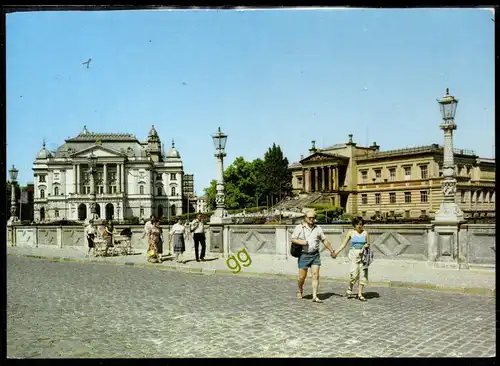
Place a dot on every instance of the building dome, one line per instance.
(44, 153)
(172, 152)
(152, 132)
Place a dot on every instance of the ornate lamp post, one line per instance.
(92, 161)
(218, 216)
(448, 210)
(13, 180)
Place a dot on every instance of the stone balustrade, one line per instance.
(464, 246)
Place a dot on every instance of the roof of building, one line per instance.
(172, 152)
(434, 148)
(44, 153)
(85, 135)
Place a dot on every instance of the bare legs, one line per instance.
(315, 282)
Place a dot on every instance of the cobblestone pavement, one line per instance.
(66, 309)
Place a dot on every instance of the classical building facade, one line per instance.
(403, 182)
(132, 179)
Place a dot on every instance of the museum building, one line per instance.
(404, 182)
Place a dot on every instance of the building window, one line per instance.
(392, 197)
(407, 172)
(364, 199)
(141, 212)
(42, 193)
(364, 176)
(141, 189)
(423, 196)
(363, 213)
(378, 175)
(392, 175)
(391, 213)
(41, 178)
(462, 196)
(158, 177)
(423, 172)
(407, 214)
(113, 189)
(172, 176)
(407, 197)
(56, 191)
(377, 198)
(172, 191)
(423, 213)
(299, 181)
(56, 212)
(158, 191)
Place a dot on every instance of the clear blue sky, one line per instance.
(287, 77)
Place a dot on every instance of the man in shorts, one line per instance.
(310, 235)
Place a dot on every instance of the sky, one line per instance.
(262, 76)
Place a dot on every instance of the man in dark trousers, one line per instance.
(198, 230)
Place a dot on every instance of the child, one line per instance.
(359, 250)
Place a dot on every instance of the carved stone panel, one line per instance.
(399, 245)
(72, 237)
(482, 247)
(47, 236)
(26, 237)
(216, 239)
(262, 242)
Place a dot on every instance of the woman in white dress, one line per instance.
(177, 236)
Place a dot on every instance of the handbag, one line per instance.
(296, 249)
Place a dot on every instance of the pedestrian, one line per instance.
(107, 234)
(147, 230)
(155, 242)
(198, 230)
(90, 235)
(177, 236)
(360, 241)
(309, 235)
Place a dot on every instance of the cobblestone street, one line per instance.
(66, 309)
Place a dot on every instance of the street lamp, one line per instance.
(448, 210)
(92, 162)
(13, 180)
(218, 216)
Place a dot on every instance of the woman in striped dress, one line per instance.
(177, 236)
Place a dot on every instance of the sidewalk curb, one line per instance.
(212, 271)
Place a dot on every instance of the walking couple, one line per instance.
(310, 235)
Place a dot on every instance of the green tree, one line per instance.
(274, 176)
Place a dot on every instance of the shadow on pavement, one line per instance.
(323, 296)
(371, 295)
(206, 260)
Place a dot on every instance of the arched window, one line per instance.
(56, 191)
(172, 191)
(42, 213)
(42, 193)
(173, 210)
(159, 191)
(141, 189)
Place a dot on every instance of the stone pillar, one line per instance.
(304, 180)
(316, 180)
(75, 180)
(78, 178)
(105, 178)
(337, 184)
(122, 178)
(326, 178)
(330, 178)
(307, 180)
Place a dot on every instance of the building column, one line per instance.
(326, 186)
(75, 183)
(122, 178)
(330, 178)
(316, 180)
(337, 184)
(303, 180)
(105, 178)
(78, 178)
